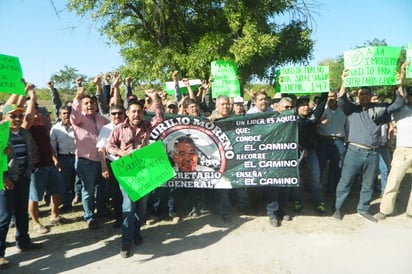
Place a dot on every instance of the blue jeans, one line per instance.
(384, 165)
(90, 173)
(69, 177)
(311, 164)
(46, 178)
(334, 152)
(15, 202)
(358, 161)
(134, 214)
(277, 199)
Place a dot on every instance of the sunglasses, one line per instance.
(287, 107)
(14, 116)
(117, 113)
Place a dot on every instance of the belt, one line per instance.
(66, 155)
(363, 147)
(334, 138)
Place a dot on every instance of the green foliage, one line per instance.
(157, 37)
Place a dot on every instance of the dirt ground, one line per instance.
(205, 244)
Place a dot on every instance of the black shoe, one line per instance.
(274, 221)
(138, 240)
(125, 251)
(337, 215)
(367, 217)
(31, 246)
(92, 224)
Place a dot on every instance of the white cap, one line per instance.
(238, 100)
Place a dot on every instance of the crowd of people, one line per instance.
(342, 137)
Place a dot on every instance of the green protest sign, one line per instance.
(371, 66)
(143, 170)
(11, 75)
(169, 87)
(409, 60)
(4, 140)
(302, 80)
(225, 79)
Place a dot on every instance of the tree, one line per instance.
(65, 81)
(157, 37)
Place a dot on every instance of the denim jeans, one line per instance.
(224, 201)
(90, 174)
(134, 214)
(384, 165)
(334, 152)
(15, 202)
(311, 164)
(69, 177)
(277, 199)
(358, 161)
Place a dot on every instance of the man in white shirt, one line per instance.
(401, 160)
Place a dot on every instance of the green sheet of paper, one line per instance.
(11, 75)
(372, 66)
(143, 170)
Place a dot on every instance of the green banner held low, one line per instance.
(4, 140)
(372, 66)
(143, 170)
(11, 75)
(225, 79)
(409, 60)
(302, 80)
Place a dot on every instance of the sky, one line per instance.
(46, 37)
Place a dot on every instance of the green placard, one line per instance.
(4, 140)
(303, 80)
(11, 75)
(409, 60)
(143, 170)
(371, 66)
(225, 79)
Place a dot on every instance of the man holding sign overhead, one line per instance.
(364, 120)
(125, 138)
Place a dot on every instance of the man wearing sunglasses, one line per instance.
(15, 195)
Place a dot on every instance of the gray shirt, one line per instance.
(365, 124)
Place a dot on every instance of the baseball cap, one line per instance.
(12, 108)
(238, 100)
(304, 100)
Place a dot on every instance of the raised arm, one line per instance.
(117, 99)
(101, 99)
(178, 95)
(31, 106)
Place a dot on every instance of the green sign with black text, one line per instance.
(372, 66)
(11, 75)
(302, 80)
